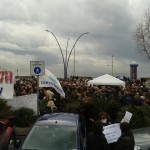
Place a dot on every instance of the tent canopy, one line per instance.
(106, 80)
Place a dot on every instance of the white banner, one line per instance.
(49, 80)
(6, 84)
(29, 101)
(112, 132)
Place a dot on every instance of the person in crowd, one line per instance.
(88, 113)
(51, 107)
(126, 140)
(105, 118)
(147, 99)
(127, 99)
(49, 95)
(41, 94)
(140, 101)
(49, 98)
(96, 139)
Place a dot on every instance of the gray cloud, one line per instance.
(109, 23)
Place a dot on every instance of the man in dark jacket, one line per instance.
(126, 140)
(96, 139)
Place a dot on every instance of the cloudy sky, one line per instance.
(110, 24)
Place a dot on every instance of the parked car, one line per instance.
(142, 138)
(7, 140)
(59, 131)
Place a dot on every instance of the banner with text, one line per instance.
(6, 83)
(49, 80)
(112, 132)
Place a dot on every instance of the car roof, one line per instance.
(66, 119)
(141, 135)
(142, 130)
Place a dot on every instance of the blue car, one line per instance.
(56, 131)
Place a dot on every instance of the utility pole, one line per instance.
(112, 66)
(74, 62)
(17, 72)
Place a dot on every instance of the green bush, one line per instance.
(107, 105)
(5, 109)
(24, 117)
(72, 107)
(140, 117)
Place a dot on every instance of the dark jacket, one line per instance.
(125, 142)
(97, 141)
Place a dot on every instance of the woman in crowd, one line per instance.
(105, 118)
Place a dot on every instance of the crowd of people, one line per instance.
(25, 86)
(76, 89)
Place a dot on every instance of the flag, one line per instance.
(49, 80)
(6, 83)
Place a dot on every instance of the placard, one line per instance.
(112, 132)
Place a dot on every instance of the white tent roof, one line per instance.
(106, 80)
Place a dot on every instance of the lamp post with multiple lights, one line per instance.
(67, 57)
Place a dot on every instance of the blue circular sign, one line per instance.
(37, 70)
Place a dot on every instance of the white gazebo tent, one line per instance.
(106, 80)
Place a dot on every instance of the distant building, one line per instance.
(133, 71)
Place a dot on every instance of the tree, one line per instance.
(140, 118)
(142, 35)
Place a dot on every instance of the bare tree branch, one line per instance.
(142, 35)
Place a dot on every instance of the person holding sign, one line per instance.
(96, 139)
(126, 140)
(105, 119)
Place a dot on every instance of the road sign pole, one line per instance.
(37, 68)
(38, 95)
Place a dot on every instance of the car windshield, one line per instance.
(46, 137)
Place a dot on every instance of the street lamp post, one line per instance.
(65, 64)
(17, 72)
(112, 65)
(74, 62)
(66, 59)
